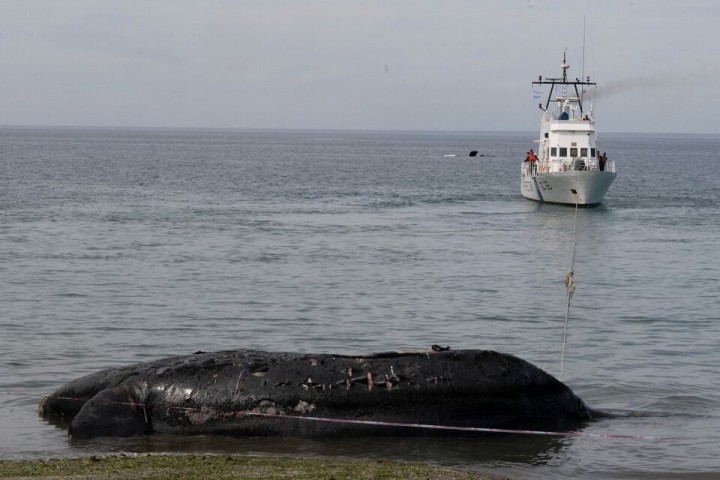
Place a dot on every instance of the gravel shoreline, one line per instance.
(153, 466)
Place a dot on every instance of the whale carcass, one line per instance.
(257, 393)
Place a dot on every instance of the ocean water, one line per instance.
(120, 246)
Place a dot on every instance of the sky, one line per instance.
(354, 64)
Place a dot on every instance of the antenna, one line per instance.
(564, 66)
(582, 91)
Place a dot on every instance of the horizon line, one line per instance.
(318, 129)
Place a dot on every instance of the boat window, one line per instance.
(573, 152)
(553, 152)
(583, 152)
(563, 152)
(592, 152)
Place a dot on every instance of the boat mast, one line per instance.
(578, 82)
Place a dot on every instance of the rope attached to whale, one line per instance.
(347, 421)
(457, 428)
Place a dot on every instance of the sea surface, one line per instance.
(120, 246)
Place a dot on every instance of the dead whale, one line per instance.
(257, 393)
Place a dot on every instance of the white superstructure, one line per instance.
(570, 168)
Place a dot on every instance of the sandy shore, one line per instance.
(226, 466)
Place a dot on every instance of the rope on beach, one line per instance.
(569, 284)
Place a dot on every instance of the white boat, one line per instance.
(569, 167)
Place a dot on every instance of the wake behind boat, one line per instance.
(568, 167)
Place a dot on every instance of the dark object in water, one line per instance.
(252, 393)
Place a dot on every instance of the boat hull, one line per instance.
(558, 187)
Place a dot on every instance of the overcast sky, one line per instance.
(342, 64)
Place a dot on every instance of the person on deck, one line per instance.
(602, 160)
(532, 158)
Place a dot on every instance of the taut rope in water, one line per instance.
(569, 285)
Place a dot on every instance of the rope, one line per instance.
(348, 421)
(457, 428)
(569, 285)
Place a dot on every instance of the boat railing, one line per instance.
(588, 165)
(569, 165)
(530, 168)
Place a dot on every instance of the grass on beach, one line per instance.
(224, 466)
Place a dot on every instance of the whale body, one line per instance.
(258, 393)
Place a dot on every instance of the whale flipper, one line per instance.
(114, 412)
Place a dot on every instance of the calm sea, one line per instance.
(122, 246)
